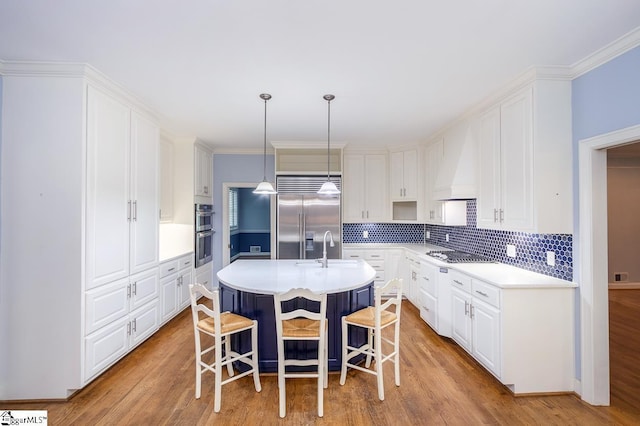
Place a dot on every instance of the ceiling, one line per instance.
(399, 70)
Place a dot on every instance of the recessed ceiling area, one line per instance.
(399, 70)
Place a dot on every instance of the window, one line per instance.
(233, 208)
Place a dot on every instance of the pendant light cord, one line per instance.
(328, 138)
(264, 155)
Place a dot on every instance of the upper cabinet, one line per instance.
(365, 188)
(122, 190)
(166, 180)
(524, 173)
(433, 159)
(404, 175)
(203, 175)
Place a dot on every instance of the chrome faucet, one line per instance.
(324, 261)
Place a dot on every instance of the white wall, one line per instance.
(41, 235)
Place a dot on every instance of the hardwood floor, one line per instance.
(440, 384)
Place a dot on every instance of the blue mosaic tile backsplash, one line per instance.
(531, 249)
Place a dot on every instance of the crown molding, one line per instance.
(612, 50)
(242, 151)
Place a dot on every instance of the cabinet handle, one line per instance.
(471, 308)
(426, 279)
(501, 215)
(129, 291)
(425, 308)
(458, 282)
(466, 308)
(134, 325)
(135, 211)
(206, 189)
(171, 269)
(482, 293)
(129, 329)
(495, 215)
(135, 292)
(187, 263)
(367, 214)
(362, 214)
(129, 211)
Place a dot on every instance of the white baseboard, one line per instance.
(624, 286)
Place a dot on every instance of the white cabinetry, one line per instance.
(365, 188)
(404, 175)
(175, 277)
(433, 159)
(410, 274)
(122, 190)
(434, 296)
(118, 316)
(523, 335)
(204, 175)
(166, 180)
(384, 261)
(525, 157)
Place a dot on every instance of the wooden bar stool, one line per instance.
(375, 319)
(220, 326)
(305, 324)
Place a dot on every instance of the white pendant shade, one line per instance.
(328, 188)
(265, 187)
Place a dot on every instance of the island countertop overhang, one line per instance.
(278, 276)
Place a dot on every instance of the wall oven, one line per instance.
(203, 234)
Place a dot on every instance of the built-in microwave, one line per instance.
(203, 217)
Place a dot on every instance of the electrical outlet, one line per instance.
(365, 234)
(511, 250)
(551, 258)
(428, 235)
(446, 237)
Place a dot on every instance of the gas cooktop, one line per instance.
(456, 256)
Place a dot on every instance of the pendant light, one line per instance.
(265, 186)
(328, 188)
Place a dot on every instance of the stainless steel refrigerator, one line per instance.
(304, 216)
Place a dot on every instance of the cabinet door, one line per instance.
(486, 335)
(397, 176)
(144, 288)
(375, 176)
(168, 297)
(144, 193)
(428, 309)
(204, 172)
(517, 161)
(143, 322)
(460, 319)
(108, 208)
(105, 346)
(353, 187)
(106, 304)
(183, 288)
(410, 174)
(489, 185)
(433, 158)
(166, 180)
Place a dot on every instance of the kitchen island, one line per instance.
(247, 288)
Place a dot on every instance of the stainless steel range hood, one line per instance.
(457, 174)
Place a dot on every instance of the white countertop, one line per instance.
(279, 276)
(499, 274)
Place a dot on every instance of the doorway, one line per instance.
(248, 223)
(593, 271)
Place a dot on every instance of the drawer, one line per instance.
(378, 265)
(186, 262)
(460, 281)
(352, 254)
(428, 309)
(374, 255)
(168, 268)
(486, 292)
(427, 283)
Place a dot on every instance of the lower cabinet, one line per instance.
(434, 298)
(175, 277)
(386, 262)
(118, 317)
(523, 335)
